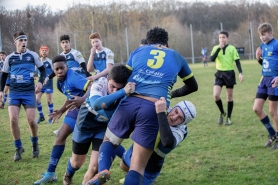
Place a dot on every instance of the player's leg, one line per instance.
(272, 104)
(14, 114)
(216, 94)
(50, 105)
(230, 104)
(39, 108)
(29, 103)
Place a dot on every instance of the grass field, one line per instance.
(211, 154)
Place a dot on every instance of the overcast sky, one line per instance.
(63, 4)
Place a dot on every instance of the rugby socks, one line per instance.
(70, 170)
(17, 143)
(34, 139)
(230, 108)
(106, 156)
(39, 107)
(268, 126)
(50, 108)
(120, 150)
(220, 106)
(56, 154)
(5, 99)
(133, 177)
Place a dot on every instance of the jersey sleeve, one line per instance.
(179, 133)
(78, 57)
(185, 71)
(38, 62)
(235, 53)
(79, 82)
(109, 56)
(99, 87)
(6, 65)
(213, 50)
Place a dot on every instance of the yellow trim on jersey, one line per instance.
(187, 77)
(130, 68)
(86, 85)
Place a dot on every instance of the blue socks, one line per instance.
(18, 143)
(56, 154)
(120, 150)
(106, 156)
(268, 126)
(133, 177)
(70, 170)
(50, 108)
(34, 139)
(39, 107)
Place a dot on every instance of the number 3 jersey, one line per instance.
(155, 69)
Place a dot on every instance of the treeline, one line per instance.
(115, 21)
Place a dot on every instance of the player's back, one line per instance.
(155, 69)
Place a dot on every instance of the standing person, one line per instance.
(6, 89)
(101, 58)
(20, 65)
(204, 56)
(267, 56)
(75, 87)
(92, 119)
(47, 88)
(172, 129)
(75, 60)
(136, 113)
(224, 55)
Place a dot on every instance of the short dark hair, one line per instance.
(3, 53)
(119, 73)
(157, 36)
(64, 37)
(224, 33)
(59, 58)
(144, 42)
(18, 33)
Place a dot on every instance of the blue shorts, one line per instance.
(47, 90)
(70, 118)
(135, 115)
(27, 100)
(8, 81)
(265, 86)
(85, 137)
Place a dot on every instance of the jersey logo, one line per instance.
(28, 58)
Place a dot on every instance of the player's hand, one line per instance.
(160, 105)
(221, 45)
(45, 80)
(240, 77)
(258, 53)
(129, 87)
(38, 87)
(75, 102)
(93, 50)
(1, 96)
(274, 82)
(92, 78)
(55, 115)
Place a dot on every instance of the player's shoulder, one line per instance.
(107, 50)
(33, 53)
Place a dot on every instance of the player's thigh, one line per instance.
(217, 90)
(30, 114)
(93, 165)
(258, 104)
(49, 97)
(38, 96)
(13, 112)
(229, 93)
(272, 106)
(77, 160)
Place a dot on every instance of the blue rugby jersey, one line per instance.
(74, 84)
(21, 68)
(155, 70)
(74, 59)
(270, 58)
(102, 58)
(48, 69)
